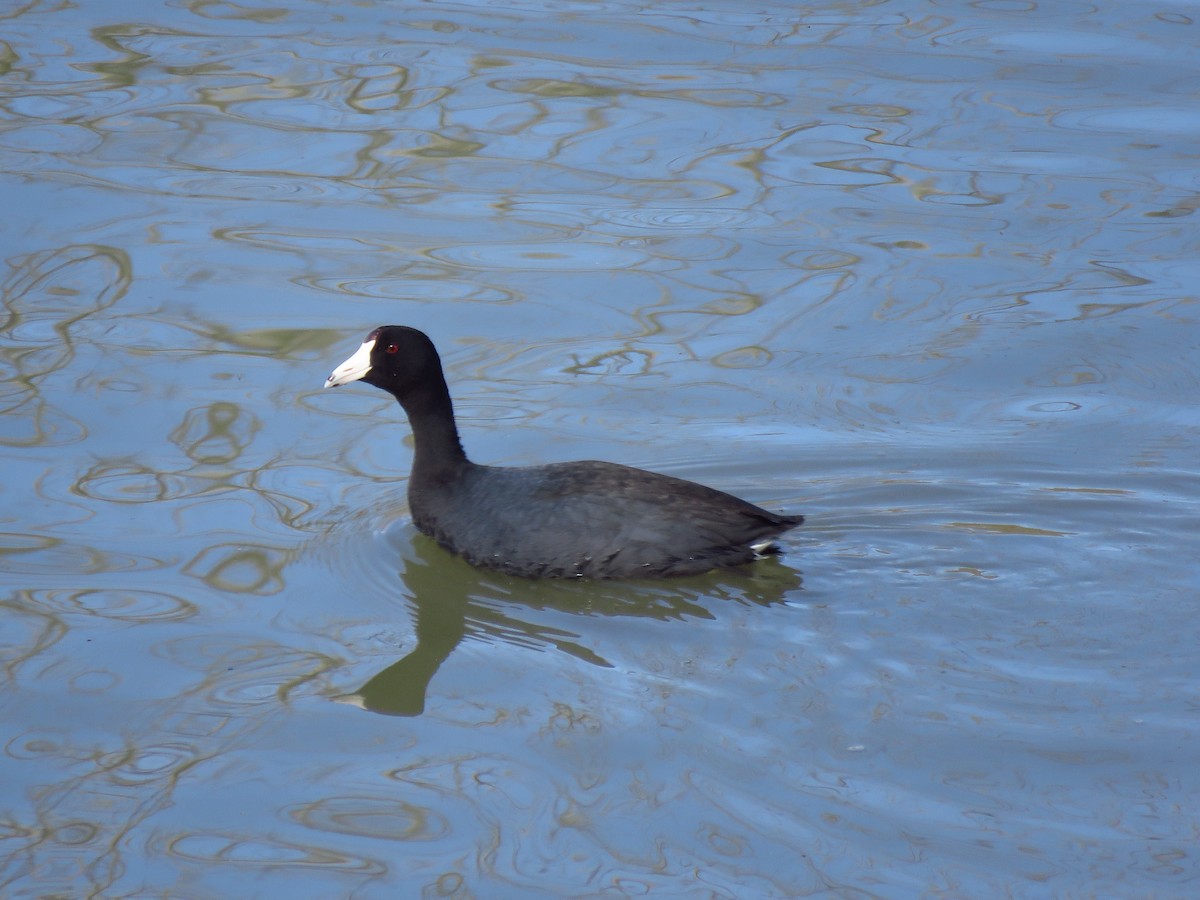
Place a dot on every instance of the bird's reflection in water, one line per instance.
(454, 600)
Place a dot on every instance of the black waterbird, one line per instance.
(585, 519)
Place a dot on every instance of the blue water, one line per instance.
(923, 272)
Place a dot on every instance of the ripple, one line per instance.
(821, 260)
(565, 257)
(557, 88)
(14, 542)
(243, 675)
(467, 411)
(483, 174)
(300, 241)
(874, 111)
(74, 834)
(389, 819)
(362, 546)
(47, 139)
(603, 360)
(267, 682)
(1046, 406)
(375, 95)
(1137, 122)
(118, 605)
(1033, 162)
(258, 186)
(241, 568)
(728, 98)
(63, 284)
(148, 764)
(46, 295)
(1025, 409)
(43, 744)
(1056, 406)
(268, 854)
(1003, 528)
(744, 358)
(216, 434)
(129, 482)
(94, 681)
(412, 288)
(289, 490)
(39, 555)
(28, 630)
(975, 199)
(39, 361)
(1042, 42)
(683, 218)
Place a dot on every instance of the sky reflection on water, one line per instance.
(922, 272)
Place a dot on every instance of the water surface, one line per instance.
(922, 271)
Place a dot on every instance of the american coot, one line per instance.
(564, 520)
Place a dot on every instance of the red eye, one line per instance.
(392, 348)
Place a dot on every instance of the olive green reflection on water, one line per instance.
(373, 817)
(216, 434)
(46, 295)
(454, 600)
(241, 568)
(934, 274)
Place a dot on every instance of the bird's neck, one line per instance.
(438, 449)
